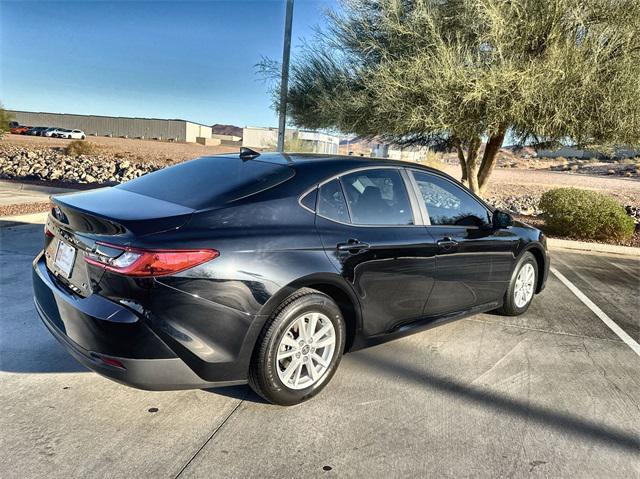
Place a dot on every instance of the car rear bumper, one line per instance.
(111, 339)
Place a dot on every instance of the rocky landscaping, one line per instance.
(54, 165)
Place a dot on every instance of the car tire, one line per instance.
(82, 137)
(285, 368)
(522, 286)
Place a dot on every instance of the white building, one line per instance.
(119, 126)
(267, 139)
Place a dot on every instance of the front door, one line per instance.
(369, 231)
(474, 261)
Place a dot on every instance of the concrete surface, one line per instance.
(14, 193)
(556, 243)
(553, 393)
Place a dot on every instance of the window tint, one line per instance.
(377, 197)
(209, 181)
(309, 200)
(331, 203)
(448, 204)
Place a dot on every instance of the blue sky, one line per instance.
(170, 59)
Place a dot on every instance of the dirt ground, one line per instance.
(518, 182)
(142, 150)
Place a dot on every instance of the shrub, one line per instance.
(79, 147)
(584, 214)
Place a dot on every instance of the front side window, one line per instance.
(331, 202)
(377, 197)
(448, 204)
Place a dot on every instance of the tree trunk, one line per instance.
(461, 159)
(471, 165)
(489, 158)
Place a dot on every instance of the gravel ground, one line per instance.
(159, 152)
(23, 209)
(511, 181)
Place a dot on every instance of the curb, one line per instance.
(18, 186)
(554, 243)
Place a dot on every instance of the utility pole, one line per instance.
(284, 80)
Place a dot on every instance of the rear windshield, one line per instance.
(209, 181)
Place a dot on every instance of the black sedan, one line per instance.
(267, 268)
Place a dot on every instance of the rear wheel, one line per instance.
(522, 287)
(299, 349)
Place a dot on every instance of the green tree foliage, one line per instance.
(5, 118)
(584, 214)
(466, 72)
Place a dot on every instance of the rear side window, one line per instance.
(209, 181)
(377, 197)
(331, 202)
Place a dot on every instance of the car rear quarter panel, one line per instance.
(212, 314)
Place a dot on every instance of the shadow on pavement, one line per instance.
(545, 416)
(244, 393)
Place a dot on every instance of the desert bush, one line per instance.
(5, 119)
(584, 214)
(79, 147)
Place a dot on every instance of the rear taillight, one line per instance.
(48, 232)
(142, 262)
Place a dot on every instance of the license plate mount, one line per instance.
(65, 257)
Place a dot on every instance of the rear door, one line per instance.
(474, 261)
(371, 229)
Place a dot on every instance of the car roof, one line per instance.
(325, 165)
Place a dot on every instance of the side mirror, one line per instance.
(502, 219)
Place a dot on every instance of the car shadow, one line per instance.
(244, 393)
(545, 416)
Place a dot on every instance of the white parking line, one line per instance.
(629, 341)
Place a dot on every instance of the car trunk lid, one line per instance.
(79, 222)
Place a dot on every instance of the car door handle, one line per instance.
(447, 243)
(353, 246)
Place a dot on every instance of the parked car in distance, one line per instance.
(19, 130)
(266, 268)
(66, 133)
(53, 132)
(36, 130)
(75, 134)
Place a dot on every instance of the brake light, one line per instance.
(48, 232)
(142, 262)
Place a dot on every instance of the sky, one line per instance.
(159, 59)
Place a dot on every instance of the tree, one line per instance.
(5, 118)
(469, 71)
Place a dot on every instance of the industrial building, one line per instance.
(267, 138)
(119, 126)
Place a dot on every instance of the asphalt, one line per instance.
(552, 393)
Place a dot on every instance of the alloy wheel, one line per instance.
(525, 281)
(306, 350)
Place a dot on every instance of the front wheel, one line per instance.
(522, 287)
(299, 349)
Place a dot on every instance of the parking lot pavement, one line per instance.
(551, 393)
(611, 281)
